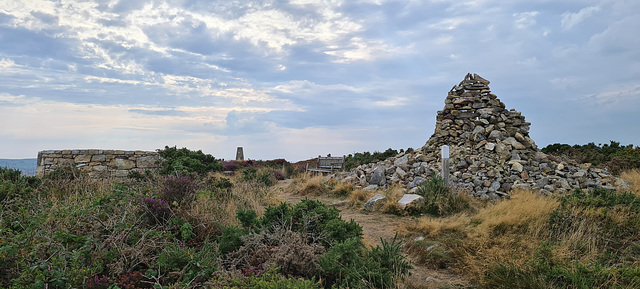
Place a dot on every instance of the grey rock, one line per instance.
(378, 177)
(404, 160)
(370, 204)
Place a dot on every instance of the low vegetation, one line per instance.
(357, 159)
(193, 228)
(617, 158)
(207, 223)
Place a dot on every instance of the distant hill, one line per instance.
(27, 166)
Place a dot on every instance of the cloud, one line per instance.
(525, 19)
(569, 19)
(366, 74)
(161, 112)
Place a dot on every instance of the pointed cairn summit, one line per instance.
(473, 116)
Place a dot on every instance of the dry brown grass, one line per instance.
(221, 206)
(392, 195)
(633, 176)
(505, 232)
(359, 196)
(342, 189)
(306, 185)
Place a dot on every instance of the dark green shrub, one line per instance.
(387, 264)
(343, 263)
(615, 157)
(337, 230)
(223, 184)
(439, 200)
(357, 159)
(348, 264)
(266, 178)
(249, 174)
(230, 239)
(248, 218)
(7, 174)
(184, 161)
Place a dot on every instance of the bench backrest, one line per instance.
(330, 162)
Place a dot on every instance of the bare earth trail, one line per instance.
(376, 225)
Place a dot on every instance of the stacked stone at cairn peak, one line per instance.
(490, 152)
(473, 116)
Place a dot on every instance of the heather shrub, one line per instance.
(157, 210)
(278, 175)
(229, 166)
(178, 190)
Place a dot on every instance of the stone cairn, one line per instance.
(491, 152)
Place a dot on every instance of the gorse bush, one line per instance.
(184, 161)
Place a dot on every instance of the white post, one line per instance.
(444, 152)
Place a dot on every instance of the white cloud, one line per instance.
(569, 20)
(393, 102)
(626, 95)
(525, 19)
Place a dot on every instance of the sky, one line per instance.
(301, 78)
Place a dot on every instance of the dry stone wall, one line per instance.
(99, 163)
(491, 152)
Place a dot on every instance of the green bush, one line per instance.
(13, 184)
(248, 218)
(439, 200)
(348, 264)
(230, 240)
(615, 157)
(357, 159)
(187, 263)
(184, 162)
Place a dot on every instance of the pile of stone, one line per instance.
(491, 152)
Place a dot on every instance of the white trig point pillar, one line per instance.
(444, 152)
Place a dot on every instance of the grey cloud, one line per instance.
(46, 18)
(160, 112)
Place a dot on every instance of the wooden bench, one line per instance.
(327, 164)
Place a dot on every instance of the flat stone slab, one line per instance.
(410, 200)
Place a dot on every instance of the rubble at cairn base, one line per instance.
(491, 152)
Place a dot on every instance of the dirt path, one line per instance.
(376, 225)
